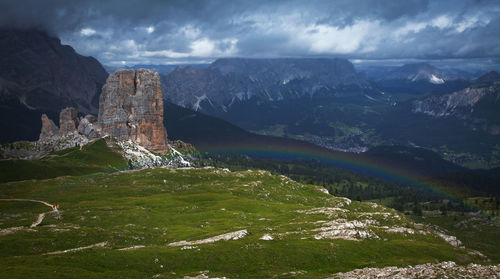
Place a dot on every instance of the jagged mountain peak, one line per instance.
(230, 80)
(417, 72)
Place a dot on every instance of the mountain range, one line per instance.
(323, 101)
(477, 104)
(226, 82)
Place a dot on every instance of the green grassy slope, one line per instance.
(157, 207)
(91, 158)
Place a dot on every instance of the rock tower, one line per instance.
(131, 108)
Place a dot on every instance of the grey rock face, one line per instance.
(88, 127)
(228, 81)
(68, 121)
(49, 129)
(131, 108)
(453, 103)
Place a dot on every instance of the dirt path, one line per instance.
(41, 216)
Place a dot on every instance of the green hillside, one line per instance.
(163, 220)
(91, 158)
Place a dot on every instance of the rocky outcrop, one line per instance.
(54, 139)
(89, 127)
(131, 108)
(49, 129)
(428, 270)
(68, 121)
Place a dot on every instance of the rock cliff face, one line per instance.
(131, 108)
(88, 127)
(49, 129)
(68, 121)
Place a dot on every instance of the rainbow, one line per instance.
(365, 165)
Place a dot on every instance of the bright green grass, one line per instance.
(91, 158)
(155, 207)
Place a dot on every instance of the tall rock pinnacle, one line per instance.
(131, 107)
(49, 129)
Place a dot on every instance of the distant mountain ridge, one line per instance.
(416, 72)
(232, 80)
(478, 104)
(420, 78)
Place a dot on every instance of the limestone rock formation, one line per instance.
(49, 129)
(88, 127)
(131, 108)
(68, 121)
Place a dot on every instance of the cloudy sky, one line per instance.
(160, 32)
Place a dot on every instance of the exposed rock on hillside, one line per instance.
(131, 108)
(438, 270)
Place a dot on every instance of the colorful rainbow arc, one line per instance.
(343, 160)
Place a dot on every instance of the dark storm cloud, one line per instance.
(181, 31)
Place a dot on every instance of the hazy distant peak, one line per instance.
(487, 79)
(417, 72)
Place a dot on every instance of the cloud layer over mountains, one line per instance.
(137, 31)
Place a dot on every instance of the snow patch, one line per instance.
(434, 79)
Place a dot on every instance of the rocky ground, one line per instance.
(423, 271)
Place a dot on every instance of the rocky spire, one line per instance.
(49, 129)
(68, 121)
(131, 108)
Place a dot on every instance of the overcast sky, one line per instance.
(158, 32)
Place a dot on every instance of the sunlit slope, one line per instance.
(178, 222)
(91, 158)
